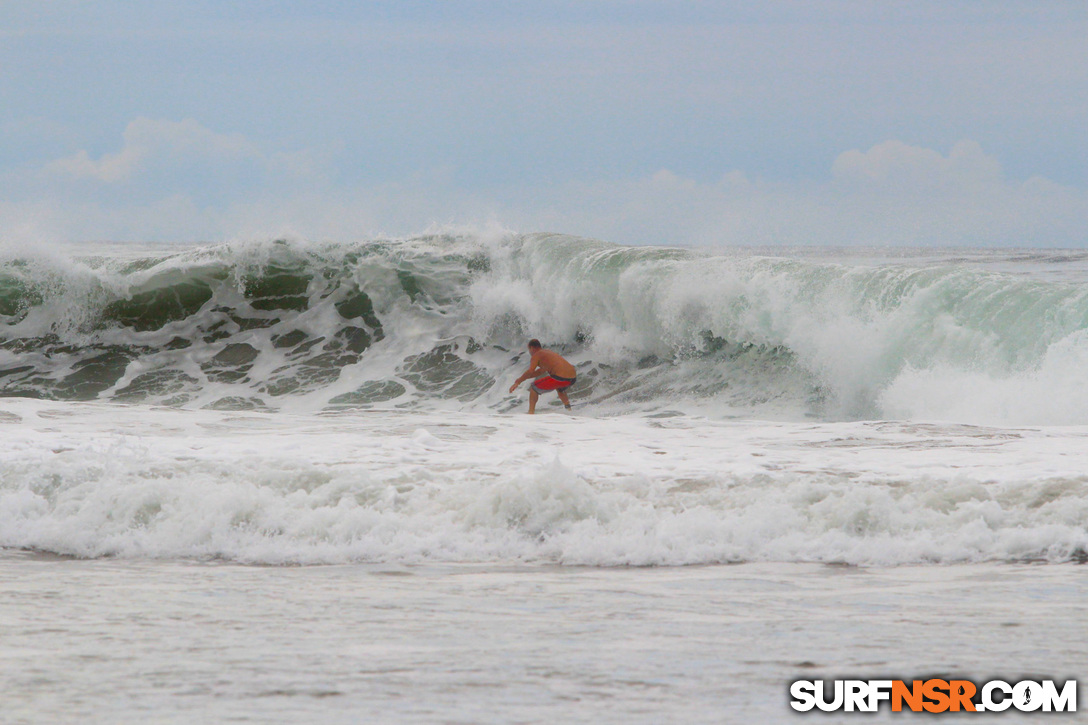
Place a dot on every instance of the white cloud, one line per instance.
(893, 193)
(181, 155)
(890, 194)
(900, 163)
(109, 168)
(148, 141)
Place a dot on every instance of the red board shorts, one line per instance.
(552, 382)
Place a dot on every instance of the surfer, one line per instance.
(552, 372)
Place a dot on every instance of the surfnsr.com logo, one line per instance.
(933, 695)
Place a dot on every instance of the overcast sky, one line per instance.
(635, 121)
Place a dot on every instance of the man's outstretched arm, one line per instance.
(533, 372)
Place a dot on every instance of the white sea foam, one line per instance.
(1054, 392)
(95, 480)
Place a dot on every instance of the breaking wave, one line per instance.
(442, 321)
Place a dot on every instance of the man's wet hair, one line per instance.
(535, 344)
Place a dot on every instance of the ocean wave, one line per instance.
(439, 320)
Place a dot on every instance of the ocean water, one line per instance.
(283, 481)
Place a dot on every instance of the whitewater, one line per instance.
(780, 464)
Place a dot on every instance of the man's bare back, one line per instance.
(552, 363)
(552, 372)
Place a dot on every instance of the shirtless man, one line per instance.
(551, 371)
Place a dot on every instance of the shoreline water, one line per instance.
(114, 640)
